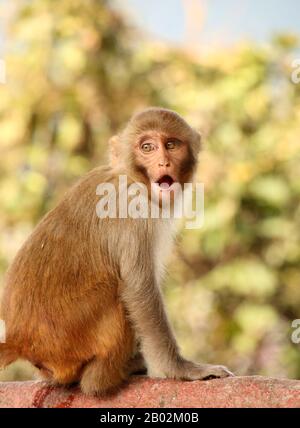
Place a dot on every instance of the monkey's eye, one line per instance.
(172, 144)
(147, 147)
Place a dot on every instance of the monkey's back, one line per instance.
(62, 285)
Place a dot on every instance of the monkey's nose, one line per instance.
(164, 162)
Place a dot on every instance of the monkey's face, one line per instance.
(163, 160)
(158, 148)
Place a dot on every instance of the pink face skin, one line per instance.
(161, 156)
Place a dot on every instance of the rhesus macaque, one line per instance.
(82, 299)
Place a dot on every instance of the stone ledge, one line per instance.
(248, 391)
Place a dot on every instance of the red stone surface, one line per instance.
(250, 391)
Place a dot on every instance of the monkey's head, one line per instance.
(157, 147)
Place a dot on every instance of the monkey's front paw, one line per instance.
(192, 371)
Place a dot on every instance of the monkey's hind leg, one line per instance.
(102, 375)
(108, 368)
(7, 355)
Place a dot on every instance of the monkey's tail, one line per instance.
(7, 355)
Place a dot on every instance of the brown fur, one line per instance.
(81, 290)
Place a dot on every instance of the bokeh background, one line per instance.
(76, 70)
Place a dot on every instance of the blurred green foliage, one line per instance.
(76, 71)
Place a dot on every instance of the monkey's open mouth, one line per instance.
(165, 182)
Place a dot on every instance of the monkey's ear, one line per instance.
(199, 141)
(114, 150)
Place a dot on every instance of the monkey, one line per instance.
(82, 299)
